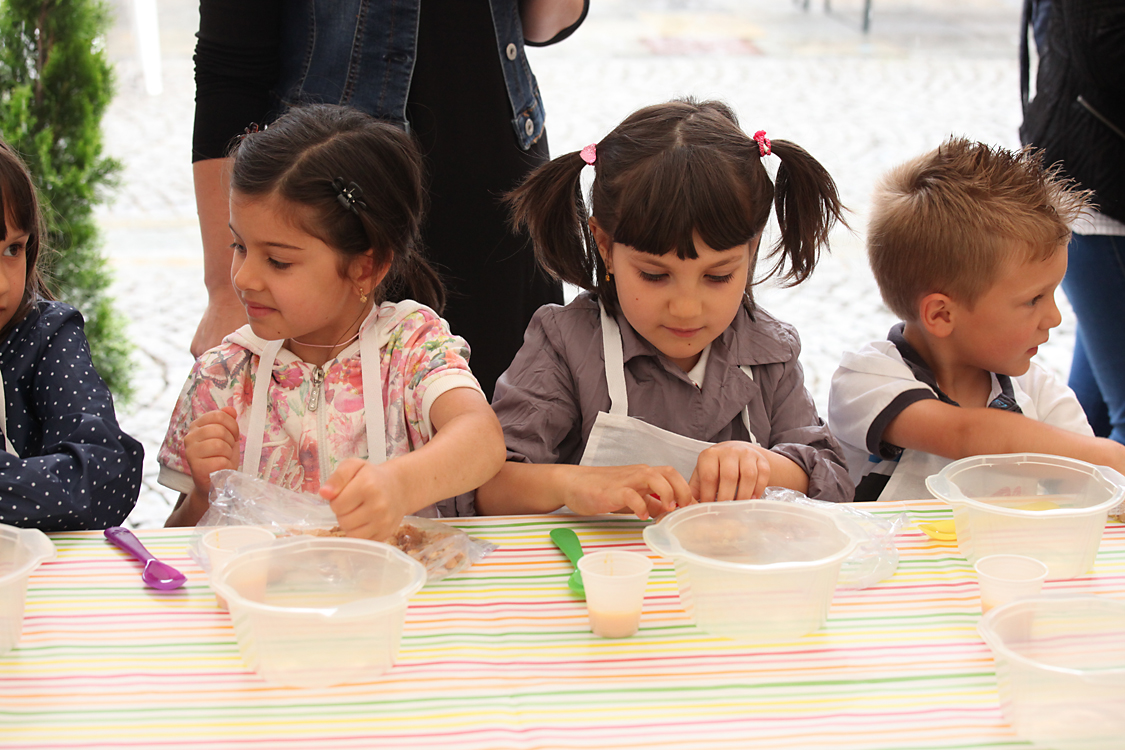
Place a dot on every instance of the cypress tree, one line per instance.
(55, 85)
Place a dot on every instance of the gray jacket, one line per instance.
(548, 399)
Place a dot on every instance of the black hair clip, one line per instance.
(250, 130)
(350, 197)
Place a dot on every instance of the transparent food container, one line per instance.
(1060, 669)
(21, 552)
(315, 611)
(1047, 507)
(760, 570)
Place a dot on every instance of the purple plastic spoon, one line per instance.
(158, 575)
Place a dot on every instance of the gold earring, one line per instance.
(363, 298)
(608, 276)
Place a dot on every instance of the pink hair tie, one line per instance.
(589, 154)
(765, 148)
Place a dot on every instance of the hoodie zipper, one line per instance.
(314, 391)
(313, 403)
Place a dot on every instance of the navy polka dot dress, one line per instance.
(76, 469)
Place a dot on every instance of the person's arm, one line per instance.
(796, 433)
(237, 59)
(211, 445)
(467, 449)
(544, 20)
(224, 312)
(957, 432)
(586, 490)
(86, 474)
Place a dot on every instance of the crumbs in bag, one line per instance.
(432, 548)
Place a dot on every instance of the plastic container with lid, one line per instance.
(1060, 669)
(316, 611)
(21, 552)
(1047, 507)
(760, 570)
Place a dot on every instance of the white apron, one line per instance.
(4, 421)
(370, 342)
(908, 482)
(620, 440)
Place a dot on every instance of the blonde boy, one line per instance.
(967, 244)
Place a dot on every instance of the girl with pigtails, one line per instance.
(663, 384)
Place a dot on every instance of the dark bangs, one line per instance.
(17, 196)
(675, 169)
(664, 201)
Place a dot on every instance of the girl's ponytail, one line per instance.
(549, 204)
(414, 278)
(808, 206)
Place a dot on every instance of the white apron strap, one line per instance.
(4, 421)
(372, 379)
(256, 429)
(614, 364)
(746, 409)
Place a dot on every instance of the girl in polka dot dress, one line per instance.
(65, 463)
(330, 388)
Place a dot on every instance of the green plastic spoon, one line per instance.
(567, 541)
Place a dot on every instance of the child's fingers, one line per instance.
(656, 506)
(680, 494)
(232, 422)
(340, 479)
(633, 500)
(363, 528)
(763, 471)
(729, 467)
(707, 474)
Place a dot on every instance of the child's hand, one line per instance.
(733, 470)
(368, 499)
(211, 445)
(645, 490)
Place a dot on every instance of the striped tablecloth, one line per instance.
(501, 657)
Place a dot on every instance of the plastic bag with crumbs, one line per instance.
(239, 499)
(875, 557)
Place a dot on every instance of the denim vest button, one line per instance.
(529, 126)
(511, 51)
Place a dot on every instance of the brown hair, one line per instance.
(946, 221)
(308, 151)
(20, 206)
(665, 173)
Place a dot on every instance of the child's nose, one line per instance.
(1053, 316)
(686, 306)
(242, 274)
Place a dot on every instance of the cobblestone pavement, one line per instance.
(859, 103)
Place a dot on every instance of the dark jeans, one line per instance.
(1095, 286)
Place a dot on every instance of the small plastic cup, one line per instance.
(615, 590)
(223, 543)
(1004, 578)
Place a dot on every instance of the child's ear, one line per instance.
(937, 314)
(366, 273)
(604, 242)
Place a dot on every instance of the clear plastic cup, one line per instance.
(223, 543)
(615, 590)
(1005, 578)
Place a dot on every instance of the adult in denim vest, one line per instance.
(454, 73)
(1077, 117)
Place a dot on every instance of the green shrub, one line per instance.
(55, 85)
